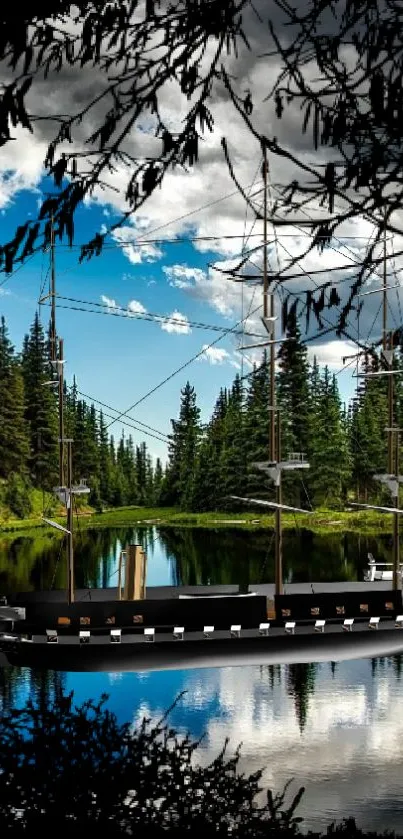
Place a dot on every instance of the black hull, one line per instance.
(185, 655)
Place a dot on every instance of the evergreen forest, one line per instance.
(344, 445)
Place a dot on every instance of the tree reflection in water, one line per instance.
(197, 556)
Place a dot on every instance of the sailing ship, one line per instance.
(138, 628)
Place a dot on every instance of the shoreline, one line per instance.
(319, 521)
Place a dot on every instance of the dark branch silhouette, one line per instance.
(77, 767)
(340, 67)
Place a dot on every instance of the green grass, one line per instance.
(320, 521)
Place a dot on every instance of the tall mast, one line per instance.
(275, 425)
(393, 431)
(53, 339)
(65, 491)
(70, 521)
(274, 466)
(392, 478)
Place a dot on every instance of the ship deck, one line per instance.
(162, 592)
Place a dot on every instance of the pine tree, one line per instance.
(131, 474)
(182, 449)
(367, 438)
(293, 401)
(14, 443)
(141, 472)
(257, 429)
(330, 462)
(105, 465)
(40, 408)
(207, 489)
(149, 484)
(233, 459)
(158, 480)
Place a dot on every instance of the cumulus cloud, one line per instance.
(332, 353)
(182, 276)
(136, 308)
(125, 237)
(109, 302)
(176, 323)
(217, 355)
(202, 202)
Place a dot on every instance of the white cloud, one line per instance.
(126, 238)
(136, 308)
(216, 355)
(109, 302)
(174, 210)
(182, 276)
(176, 323)
(332, 353)
(21, 165)
(4, 292)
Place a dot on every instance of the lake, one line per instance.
(335, 728)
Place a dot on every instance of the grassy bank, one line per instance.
(320, 521)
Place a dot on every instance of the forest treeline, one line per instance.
(118, 472)
(345, 445)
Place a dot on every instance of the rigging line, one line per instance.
(332, 248)
(244, 244)
(140, 430)
(13, 273)
(314, 281)
(398, 300)
(98, 401)
(375, 318)
(179, 369)
(266, 557)
(148, 316)
(392, 313)
(303, 341)
(324, 271)
(57, 562)
(199, 210)
(340, 241)
(42, 281)
(183, 239)
(322, 316)
(298, 276)
(270, 190)
(394, 271)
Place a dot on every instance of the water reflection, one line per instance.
(186, 556)
(337, 729)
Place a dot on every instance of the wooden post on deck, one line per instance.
(135, 576)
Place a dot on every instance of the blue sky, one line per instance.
(118, 360)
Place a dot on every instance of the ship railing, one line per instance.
(235, 630)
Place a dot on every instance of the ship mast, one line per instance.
(275, 423)
(392, 431)
(391, 478)
(275, 465)
(65, 491)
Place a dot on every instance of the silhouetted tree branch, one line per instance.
(339, 63)
(76, 767)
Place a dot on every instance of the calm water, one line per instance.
(336, 729)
